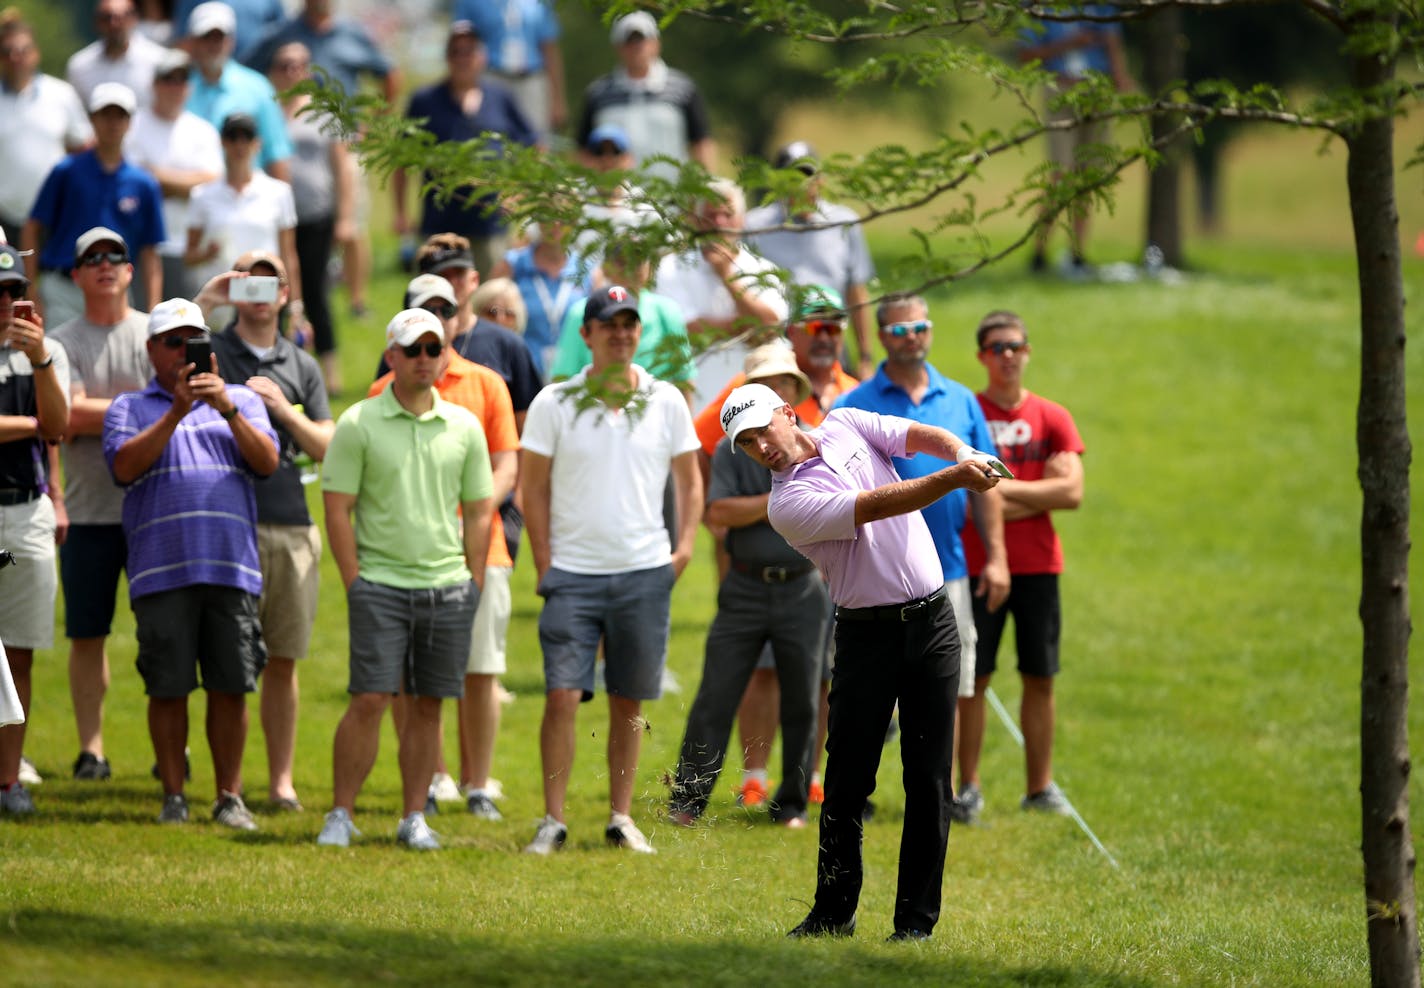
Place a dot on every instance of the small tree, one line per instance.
(927, 43)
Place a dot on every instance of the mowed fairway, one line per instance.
(1208, 729)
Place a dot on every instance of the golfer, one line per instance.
(836, 498)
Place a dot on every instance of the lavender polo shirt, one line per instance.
(812, 505)
(191, 517)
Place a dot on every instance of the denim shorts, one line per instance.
(413, 641)
(628, 612)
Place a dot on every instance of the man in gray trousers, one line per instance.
(771, 594)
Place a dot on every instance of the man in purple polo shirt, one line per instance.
(836, 498)
(186, 450)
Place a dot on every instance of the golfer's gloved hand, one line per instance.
(967, 452)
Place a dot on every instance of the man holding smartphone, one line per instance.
(34, 407)
(194, 577)
(108, 353)
(251, 351)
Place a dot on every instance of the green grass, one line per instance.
(1208, 727)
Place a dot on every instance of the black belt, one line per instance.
(10, 496)
(772, 574)
(910, 610)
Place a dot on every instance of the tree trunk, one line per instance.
(1165, 64)
(1382, 438)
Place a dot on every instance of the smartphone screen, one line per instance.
(199, 351)
(254, 288)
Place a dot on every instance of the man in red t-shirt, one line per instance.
(1040, 444)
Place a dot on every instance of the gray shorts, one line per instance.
(628, 612)
(415, 641)
(208, 628)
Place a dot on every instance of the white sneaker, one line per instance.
(338, 829)
(29, 775)
(444, 789)
(622, 832)
(548, 838)
(416, 834)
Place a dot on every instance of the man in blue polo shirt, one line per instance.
(523, 40)
(461, 107)
(187, 449)
(908, 386)
(222, 87)
(89, 189)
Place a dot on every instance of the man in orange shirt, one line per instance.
(817, 336)
(483, 392)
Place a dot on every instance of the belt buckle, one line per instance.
(774, 574)
(912, 609)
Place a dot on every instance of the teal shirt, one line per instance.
(663, 349)
(409, 475)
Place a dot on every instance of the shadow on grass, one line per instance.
(132, 949)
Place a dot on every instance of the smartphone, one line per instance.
(253, 288)
(199, 350)
(23, 309)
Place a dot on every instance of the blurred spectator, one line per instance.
(251, 351)
(107, 345)
(523, 40)
(245, 210)
(663, 349)
(324, 183)
(461, 107)
(34, 407)
(610, 206)
(834, 255)
(182, 151)
(120, 55)
(727, 294)
(339, 46)
(250, 19)
(97, 187)
(659, 108)
(1070, 49)
(550, 278)
(498, 300)
(223, 87)
(41, 120)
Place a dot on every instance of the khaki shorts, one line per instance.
(487, 657)
(290, 556)
(961, 599)
(27, 589)
(1064, 145)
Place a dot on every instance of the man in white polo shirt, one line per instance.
(41, 120)
(597, 452)
(121, 54)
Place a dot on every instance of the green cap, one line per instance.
(815, 300)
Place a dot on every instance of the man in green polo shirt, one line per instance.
(405, 463)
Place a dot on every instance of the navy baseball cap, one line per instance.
(603, 306)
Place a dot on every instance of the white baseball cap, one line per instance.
(98, 235)
(176, 313)
(212, 16)
(638, 22)
(409, 325)
(424, 287)
(749, 407)
(112, 94)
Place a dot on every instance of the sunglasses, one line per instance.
(430, 349)
(114, 257)
(827, 326)
(999, 349)
(901, 329)
(444, 310)
(174, 78)
(14, 289)
(173, 341)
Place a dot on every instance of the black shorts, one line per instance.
(1038, 623)
(90, 562)
(205, 627)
